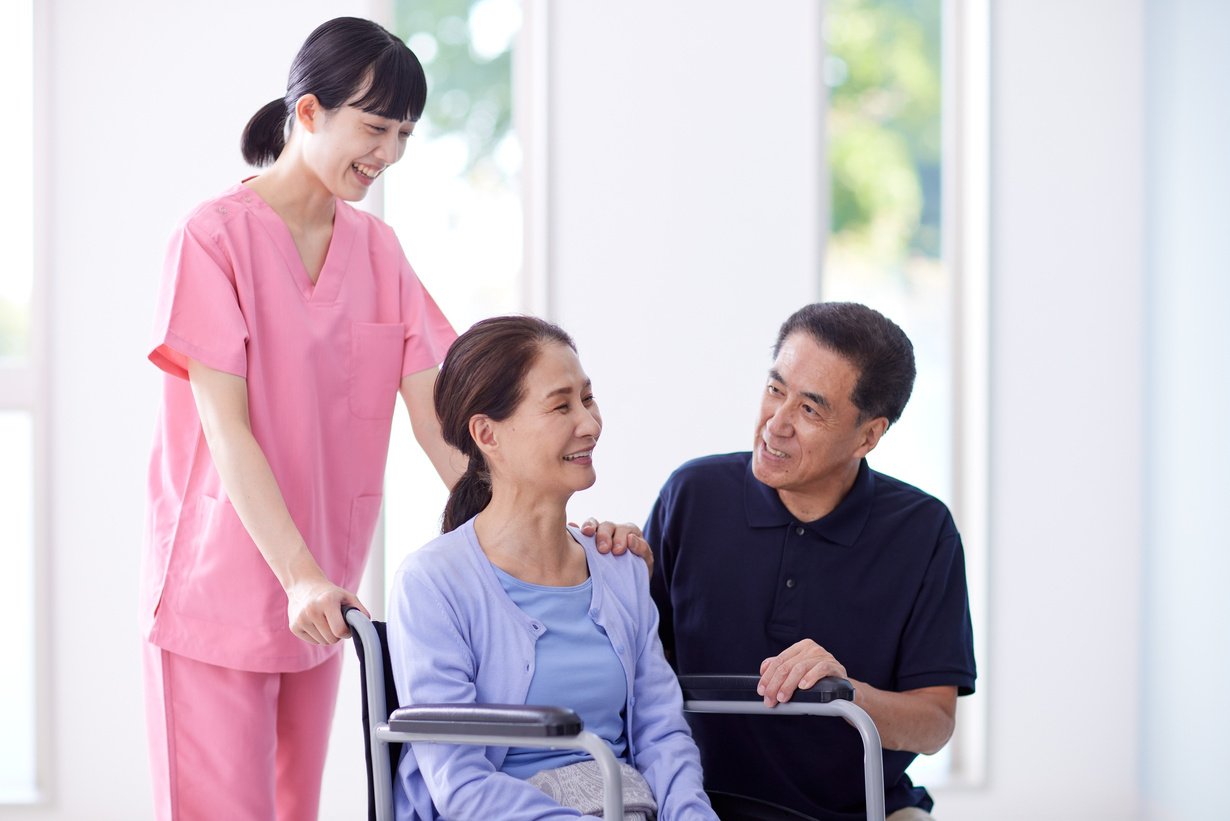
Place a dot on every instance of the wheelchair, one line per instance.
(387, 725)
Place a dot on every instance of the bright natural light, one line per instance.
(18, 752)
(455, 203)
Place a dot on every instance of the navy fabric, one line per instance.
(879, 582)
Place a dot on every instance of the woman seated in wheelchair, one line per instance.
(512, 606)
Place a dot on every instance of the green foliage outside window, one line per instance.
(884, 127)
(468, 93)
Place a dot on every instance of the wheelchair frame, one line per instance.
(561, 728)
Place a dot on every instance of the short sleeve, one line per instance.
(198, 314)
(428, 332)
(937, 645)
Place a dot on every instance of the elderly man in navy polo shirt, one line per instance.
(798, 561)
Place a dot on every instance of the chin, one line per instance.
(765, 476)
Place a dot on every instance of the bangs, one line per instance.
(397, 88)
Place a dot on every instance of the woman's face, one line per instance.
(547, 444)
(348, 148)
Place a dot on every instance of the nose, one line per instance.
(388, 150)
(590, 423)
(779, 422)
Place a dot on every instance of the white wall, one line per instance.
(1066, 428)
(685, 219)
(1187, 566)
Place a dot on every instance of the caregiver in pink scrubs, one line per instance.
(288, 322)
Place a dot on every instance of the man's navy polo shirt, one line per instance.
(879, 582)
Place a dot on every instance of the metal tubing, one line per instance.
(855, 716)
(612, 781)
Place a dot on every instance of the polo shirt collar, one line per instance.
(843, 525)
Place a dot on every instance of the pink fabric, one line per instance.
(323, 365)
(233, 744)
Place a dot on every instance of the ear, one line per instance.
(482, 431)
(308, 112)
(872, 430)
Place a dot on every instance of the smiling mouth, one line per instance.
(772, 452)
(366, 170)
(585, 454)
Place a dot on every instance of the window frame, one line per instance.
(25, 387)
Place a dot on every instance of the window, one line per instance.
(19, 707)
(905, 204)
(455, 203)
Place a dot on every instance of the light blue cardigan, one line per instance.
(456, 637)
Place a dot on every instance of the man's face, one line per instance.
(809, 439)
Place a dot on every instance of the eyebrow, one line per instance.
(567, 390)
(814, 397)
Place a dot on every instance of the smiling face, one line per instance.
(809, 438)
(347, 148)
(546, 445)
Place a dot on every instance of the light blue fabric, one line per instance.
(574, 666)
(456, 637)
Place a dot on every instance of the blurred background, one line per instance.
(1035, 192)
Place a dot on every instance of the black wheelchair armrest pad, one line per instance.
(512, 720)
(743, 688)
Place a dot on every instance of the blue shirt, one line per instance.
(879, 582)
(455, 637)
(574, 666)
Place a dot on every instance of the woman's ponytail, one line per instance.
(468, 497)
(484, 373)
(264, 136)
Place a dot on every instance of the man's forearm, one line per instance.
(917, 721)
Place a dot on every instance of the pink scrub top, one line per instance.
(323, 365)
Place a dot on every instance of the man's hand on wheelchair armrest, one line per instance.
(743, 688)
(798, 667)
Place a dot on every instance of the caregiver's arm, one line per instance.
(314, 604)
(416, 392)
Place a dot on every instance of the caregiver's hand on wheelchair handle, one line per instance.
(798, 667)
(314, 610)
(618, 538)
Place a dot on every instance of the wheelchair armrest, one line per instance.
(511, 720)
(743, 688)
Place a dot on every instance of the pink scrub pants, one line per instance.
(234, 744)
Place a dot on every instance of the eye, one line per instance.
(587, 400)
(561, 408)
(377, 129)
(809, 410)
(772, 389)
(405, 135)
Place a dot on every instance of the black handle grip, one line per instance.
(743, 688)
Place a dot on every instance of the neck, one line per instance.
(814, 503)
(527, 537)
(294, 192)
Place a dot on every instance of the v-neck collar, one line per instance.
(329, 280)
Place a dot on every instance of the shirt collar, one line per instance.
(843, 525)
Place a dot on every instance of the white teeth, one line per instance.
(773, 452)
(573, 456)
(366, 171)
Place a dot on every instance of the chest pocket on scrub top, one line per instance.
(375, 368)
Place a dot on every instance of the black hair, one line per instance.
(484, 372)
(338, 58)
(871, 342)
